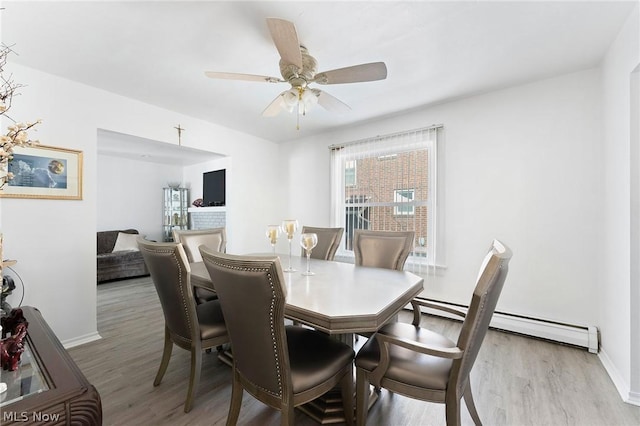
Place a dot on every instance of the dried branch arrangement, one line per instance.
(17, 133)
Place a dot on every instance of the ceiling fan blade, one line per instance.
(246, 77)
(274, 107)
(286, 40)
(330, 103)
(354, 74)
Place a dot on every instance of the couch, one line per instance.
(125, 262)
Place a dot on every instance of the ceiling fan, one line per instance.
(299, 69)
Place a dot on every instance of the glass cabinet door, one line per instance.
(175, 216)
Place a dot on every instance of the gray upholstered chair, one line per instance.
(281, 366)
(328, 242)
(382, 249)
(421, 364)
(187, 325)
(214, 238)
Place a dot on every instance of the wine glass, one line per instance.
(272, 234)
(289, 227)
(308, 241)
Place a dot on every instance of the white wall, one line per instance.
(614, 292)
(521, 165)
(130, 194)
(55, 241)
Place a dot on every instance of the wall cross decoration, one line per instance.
(180, 130)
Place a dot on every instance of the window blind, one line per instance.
(388, 183)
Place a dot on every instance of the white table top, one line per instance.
(340, 297)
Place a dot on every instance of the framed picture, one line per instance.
(42, 171)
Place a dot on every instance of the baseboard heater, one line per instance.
(575, 335)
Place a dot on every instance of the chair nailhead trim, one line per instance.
(184, 298)
(271, 318)
(180, 280)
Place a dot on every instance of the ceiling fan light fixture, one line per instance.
(307, 100)
(298, 98)
(290, 99)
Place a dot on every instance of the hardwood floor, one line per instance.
(516, 380)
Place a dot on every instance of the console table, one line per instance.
(48, 387)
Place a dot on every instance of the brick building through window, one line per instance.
(387, 183)
(389, 193)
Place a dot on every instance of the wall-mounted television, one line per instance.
(214, 188)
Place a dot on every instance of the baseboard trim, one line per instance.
(634, 398)
(621, 385)
(576, 335)
(81, 340)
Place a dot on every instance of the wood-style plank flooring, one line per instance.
(516, 380)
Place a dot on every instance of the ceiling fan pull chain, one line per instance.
(300, 108)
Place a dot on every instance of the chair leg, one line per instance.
(346, 387)
(362, 396)
(416, 313)
(452, 411)
(194, 378)
(236, 400)
(287, 415)
(471, 406)
(166, 356)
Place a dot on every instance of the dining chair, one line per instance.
(281, 366)
(190, 326)
(328, 242)
(214, 238)
(416, 362)
(382, 249)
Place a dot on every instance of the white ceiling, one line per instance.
(157, 51)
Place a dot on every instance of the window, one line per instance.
(403, 199)
(394, 188)
(350, 177)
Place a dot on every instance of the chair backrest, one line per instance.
(328, 242)
(382, 249)
(170, 272)
(485, 297)
(213, 238)
(252, 296)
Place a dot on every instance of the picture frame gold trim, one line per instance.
(69, 178)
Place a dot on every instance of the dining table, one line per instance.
(340, 299)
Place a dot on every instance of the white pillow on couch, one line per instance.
(126, 242)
